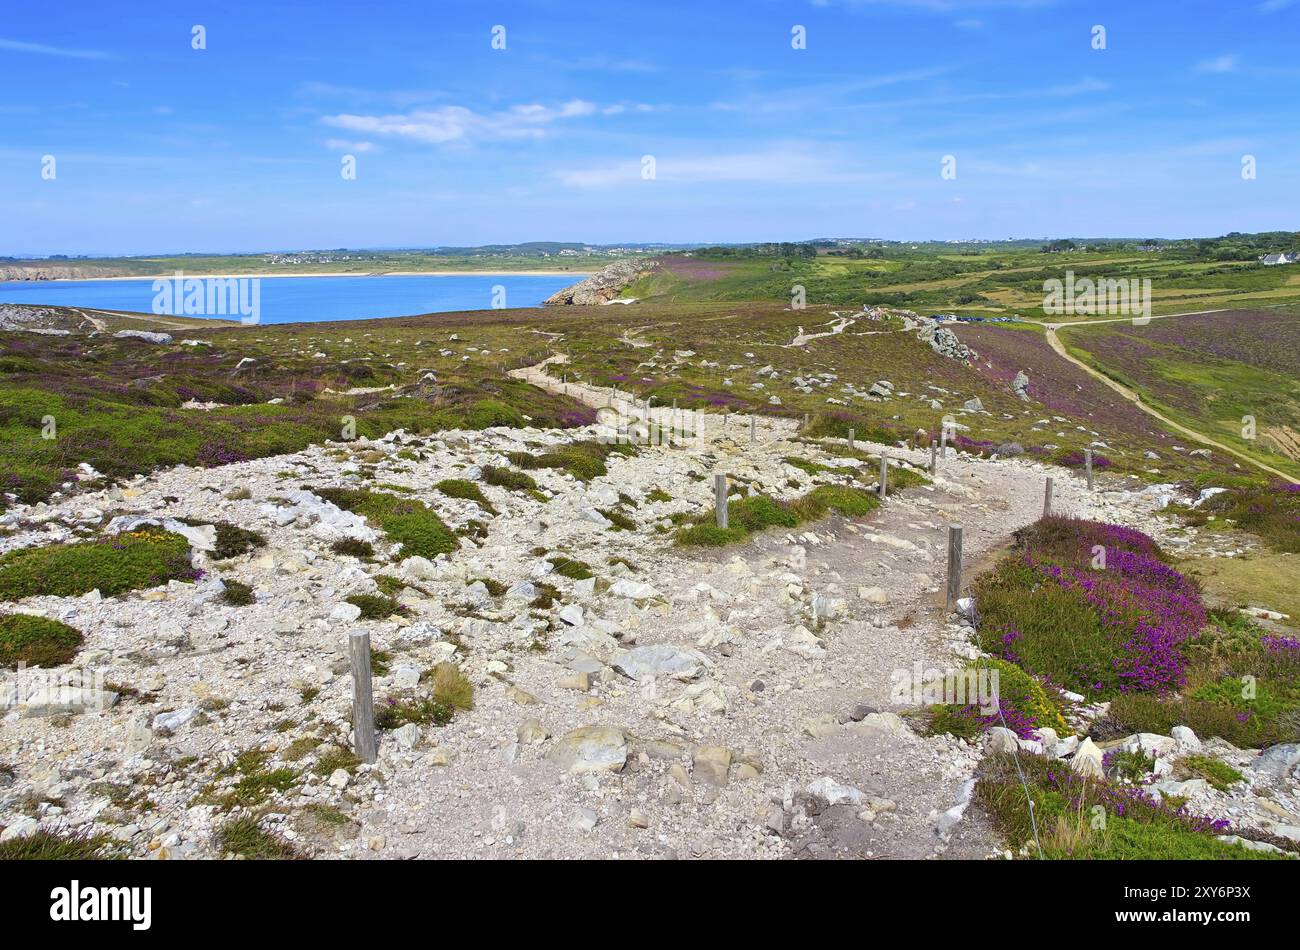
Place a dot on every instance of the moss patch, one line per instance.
(114, 565)
(36, 641)
(412, 523)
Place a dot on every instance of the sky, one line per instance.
(605, 122)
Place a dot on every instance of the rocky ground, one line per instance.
(681, 703)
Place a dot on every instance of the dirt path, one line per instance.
(1055, 342)
(792, 714)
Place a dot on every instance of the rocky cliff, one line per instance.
(604, 285)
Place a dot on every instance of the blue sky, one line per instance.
(238, 147)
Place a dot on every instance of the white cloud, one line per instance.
(456, 123)
(343, 145)
(41, 49)
(1220, 64)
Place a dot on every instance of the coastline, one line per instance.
(395, 273)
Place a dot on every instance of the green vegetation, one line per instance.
(412, 523)
(374, 606)
(232, 541)
(353, 547)
(236, 594)
(335, 757)
(512, 480)
(123, 562)
(1218, 773)
(49, 846)
(657, 494)
(1091, 819)
(574, 570)
(583, 460)
(451, 688)
(462, 488)
(255, 784)
(245, 838)
(1023, 703)
(36, 641)
(755, 513)
(394, 713)
(618, 520)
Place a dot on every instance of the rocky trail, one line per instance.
(734, 702)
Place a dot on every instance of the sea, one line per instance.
(297, 299)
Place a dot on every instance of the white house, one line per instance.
(1270, 260)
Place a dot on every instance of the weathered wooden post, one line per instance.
(934, 457)
(1087, 464)
(753, 429)
(954, 566)
(363, 699)
(1047, 499)
(805, 420)
(853, 439)
(884, 475)
(720, 498)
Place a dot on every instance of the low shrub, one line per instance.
(353, 547)
(236, 594)
(36, 641)
(463, 488)
(451, 688)
(412, 523)
(116, 564)
(375, 606)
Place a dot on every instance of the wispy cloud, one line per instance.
(1272, 6)
(1219, 64)
(458, 124)
(40, 49)
(778, 164)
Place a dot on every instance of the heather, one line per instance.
(1137, 825)
(1023, 705)
(112, 565)
(1271, 512)
(1090, 607)
(1242, 685)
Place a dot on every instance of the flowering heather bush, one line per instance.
(1075, 459)
(1138, 825)
(1272, 512)
(1116, 629)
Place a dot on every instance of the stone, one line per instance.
(873, 595)
(585, 819)
(521, 698)
(406, 676)
(591, 749)
(833, 793)
(637, 820)
(711, 764)
(973, 405)
(1277, 761)
(577, 681)
(23, 827)
(660, 659)
(1185, 738)
(572, 615)
(339, 779)
(407, 737)
(171, 721)
(60, 700)
(345, 613)
(1002, 739)
(524, 590)
(146, 335)
(803, 642)
(1087, 759)
(633, 590)
(531, 732)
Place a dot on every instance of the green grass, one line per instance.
(510, 479)
(246, 838)
(583, 460)
(1218, 774)
(1016, 690)
(335, 758)
(36, 641)
(451, 688)
(756, 513)
(394, 713)
(49, 846)
(572, 569)
(413, 524)
(114, 565)
(375, 606)
(463, 488)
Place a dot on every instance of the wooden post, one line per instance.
(363, 698)
(934, 457)
(943, 443)
(720, 498)
(1087, 464)
(726, 417)
(1047, 499)
(853, 439)
(884, 476)
(753, 428)
(954, 566)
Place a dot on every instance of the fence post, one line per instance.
(954, 566)
(363, 699)
(853, 439)
(753, 428)
(884, 475)
(1047, 498)
(934, 457)
(720, 498)
(1087, 464)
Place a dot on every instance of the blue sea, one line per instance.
(302, 299)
